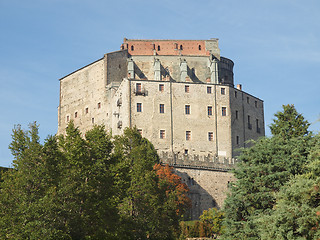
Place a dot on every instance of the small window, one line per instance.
(235, 94)
(210, 136)
(209, 89)
(181, 47)
(255, 103)
(138, 87)
(92, 120)
(161, 108)
(187, 109)
(158, 47)
(186, 88)
(199, 47)
(224, 111)
(132, 48)
(75, 114)
(162, 134)
(257, 126)
(99, 105)
(248, 100)
(176, 46)
(237, 140)
(237, 114)
(188, 135)
(68, 118)
(186, 152)
(87, 110)
(139, 131)
(249, 123)
(161, 87)
(139, 107)
(209, 110)
(223, 91)
(153, 46)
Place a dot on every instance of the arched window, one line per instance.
(199, 47)
(181, 48)
(158, 47)
(132, 48)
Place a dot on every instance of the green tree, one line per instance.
(147, 208)
(87, 187)
(264, 169)
(296, 214)
(58, 190)
(289, 123)
(212, 220)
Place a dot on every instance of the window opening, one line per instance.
(187, 109)
(139, 107)
(209, 110)
(161, 108)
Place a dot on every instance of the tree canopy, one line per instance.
(90, 186)
(269, 183)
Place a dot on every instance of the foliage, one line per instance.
(87, 187)
(264, 169)
(212, 219)
(209, 225)
(289, 123)
(153, 202)
(296, 214)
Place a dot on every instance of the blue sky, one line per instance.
(275, 45)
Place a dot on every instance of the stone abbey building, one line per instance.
(180, 95)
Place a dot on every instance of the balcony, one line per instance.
(142, 92)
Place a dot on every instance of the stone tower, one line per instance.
(180, 95)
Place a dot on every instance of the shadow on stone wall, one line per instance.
(200, 198)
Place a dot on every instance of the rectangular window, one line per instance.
(237, 114)
(139, 131)
(99, 105)
(188, 135)
(186, 88)
(249, 123)
(186, 152)
(162, 134)
(161, 87)
(257, 125)
(248, 100)
(75, 114)
(255, 103)
(209, 110)
(209, 89)
(87, 110)
(68, 118)
(138, 87)
(139, 107)
(161, 108)
(224, 111)
(223, 91)
(187, 109)
(210, 136)
(92, 120)
(235, 94)
(237, 140)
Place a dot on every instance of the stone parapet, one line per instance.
(194, 161)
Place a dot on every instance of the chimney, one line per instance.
(239, 87)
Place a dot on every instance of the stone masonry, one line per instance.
(180, 95)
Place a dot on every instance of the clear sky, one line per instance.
(275, 45)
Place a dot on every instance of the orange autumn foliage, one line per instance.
(173, 186)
